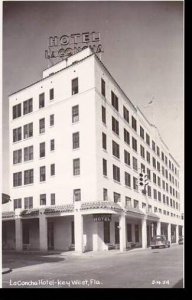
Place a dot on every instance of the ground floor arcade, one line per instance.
(93, 228)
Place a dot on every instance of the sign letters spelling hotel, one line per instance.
(67, 45)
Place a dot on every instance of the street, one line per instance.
(138, 268)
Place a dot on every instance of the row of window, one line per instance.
(29, 175)
(145, 137)
(129, 203)
(28, 104)
(116, 152)
(116, 175)
(28, 129)
(28, 152)
(28, 201)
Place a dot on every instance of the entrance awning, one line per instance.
(108, 205)
(31, 212)
(151, 216)
(134, 211)
(59, 209)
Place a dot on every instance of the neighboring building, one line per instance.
(77, 145)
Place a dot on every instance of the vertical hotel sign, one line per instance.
(66, 45)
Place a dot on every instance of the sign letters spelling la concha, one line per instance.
(102, 217)
(67, 45)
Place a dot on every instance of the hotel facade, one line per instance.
(77, 145)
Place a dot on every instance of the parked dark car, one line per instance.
(159, 241)
(181, 240)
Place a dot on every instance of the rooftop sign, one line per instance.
(67, 45)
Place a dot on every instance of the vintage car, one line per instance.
(159, 241)
(181, 240)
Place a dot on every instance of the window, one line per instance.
(135, 186)
(167, 187)
(104, 167)
(17, 156)
(135, 164)
(159, 196)
(116, 197)
(142, 150)
(115, 148)
(116, 173)
(126, 114)
(163, 171)
(75, 113)
(42, 149)
(149, 190)
(43, 199)
(148, 157)
(27, 106)
(42, 125)
(16, 111)
(162, 156)
(155, 194)
(28, 176)
(158, 166)
(149, 208)
(28, 130)
(17, 135)
(128, 201)
(28, 202)
(159, 181)
(76, 166)
(155, 209)
(52, 145)
(75, 140)
(134, 143)
(75, 87)
(42, 100)
(149, 174)
(52, 199)
(163, 198)
(143, 167)
(114, 101)
(154, 163)
(42, 173)
(105, 196)
(126, 137)
(127, 179)
(52, 120)
(28, 153)
(127, 158)
(158, 152)
(134, 124)
(103, 114)
(115, 126)
(160, 210)
(17, 203)
(166, 160)
(143, 205)
(153, 146)
(52, 169)
(166, 174)
(104, 141)
(142, 134)
(77, 195)
(17, 179)
(136, 204)
(154, 178)
(51, 94)
(102, 87)
(147, 139)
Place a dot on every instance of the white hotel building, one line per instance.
(77, 145)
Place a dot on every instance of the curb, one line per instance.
(6, 270)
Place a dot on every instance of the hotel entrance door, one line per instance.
(50, 233)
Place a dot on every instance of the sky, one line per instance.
(143, 50)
